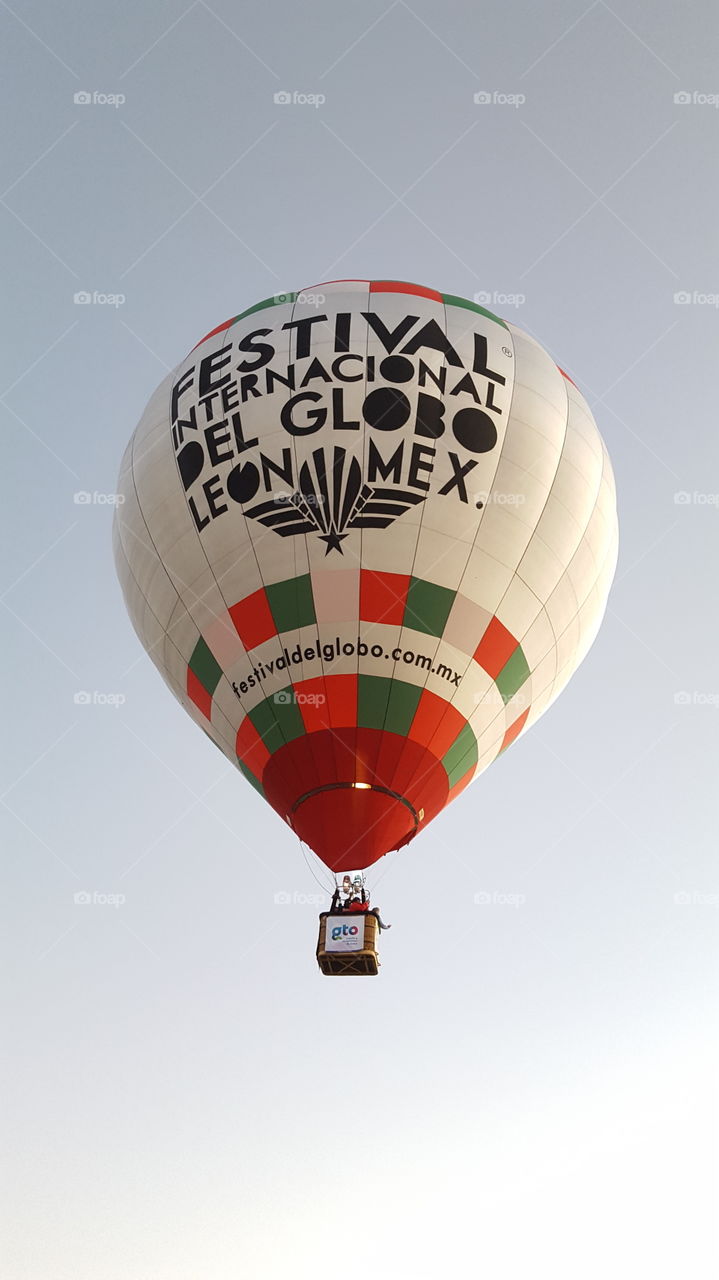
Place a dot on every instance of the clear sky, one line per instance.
(529, 1086)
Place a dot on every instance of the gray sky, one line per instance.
(528, 1083)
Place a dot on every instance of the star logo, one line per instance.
(333, 499)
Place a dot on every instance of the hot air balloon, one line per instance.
(367, 535)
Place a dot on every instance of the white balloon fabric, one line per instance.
(368, 534)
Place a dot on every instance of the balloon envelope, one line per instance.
(367, 534)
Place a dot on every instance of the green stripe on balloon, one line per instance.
(384, 703)
(278, 300)
(452, 301)
(249, 775)
(372, 699)
(278, 719)
(465, 766)
(401, 706)
(427, 607)
(205, 666)
(292, 603)
(462, 755)
(513, 674)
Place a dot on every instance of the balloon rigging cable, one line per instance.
(305, 849)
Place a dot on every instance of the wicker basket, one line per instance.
(346, 963)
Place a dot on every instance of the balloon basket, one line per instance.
(347, 944)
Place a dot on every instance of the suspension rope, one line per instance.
(312, 871)
(390, 863)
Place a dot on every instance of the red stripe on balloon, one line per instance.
(342, 697)
(427, 717)
(459, 786)
(251, 749)
(399, 286)
(383, 596)
(253, 619)
(312, 702)
(327, 701)
(212, 332)
(514, 730)
(495, 648)
(198, 694)
(436, 724)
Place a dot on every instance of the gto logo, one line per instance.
(336, 488)
(344, 931)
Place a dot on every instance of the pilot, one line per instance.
(341, 895)
(359, 901)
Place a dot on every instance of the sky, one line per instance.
(530, 1083)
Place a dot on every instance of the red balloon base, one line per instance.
(353, 794)
(350, 827)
